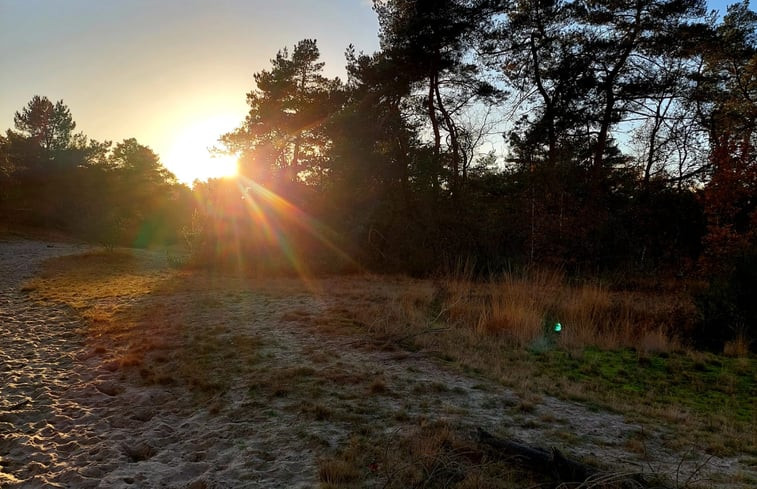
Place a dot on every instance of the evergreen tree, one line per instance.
(282, 139)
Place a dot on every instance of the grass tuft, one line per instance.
(738, 347)
(336, 472)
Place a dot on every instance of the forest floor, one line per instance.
(117, 370)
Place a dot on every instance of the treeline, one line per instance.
(629, 131)
(56, 179)
(602, 136)
(596, 136)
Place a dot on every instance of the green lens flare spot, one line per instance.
(558, 327)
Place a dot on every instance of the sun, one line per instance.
(190, 158)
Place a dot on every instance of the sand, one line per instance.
(68, 420)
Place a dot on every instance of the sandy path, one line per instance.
(38, 351)
(66, 420)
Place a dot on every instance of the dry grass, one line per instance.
(738, 347)
(336, 472)
(146, 320)
(523, 308)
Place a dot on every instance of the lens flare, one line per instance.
(256, 229)
(260, 199)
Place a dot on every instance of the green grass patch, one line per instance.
(702, 383)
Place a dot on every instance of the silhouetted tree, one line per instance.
(54, 178)
(46, 124)
(728, 110)
(143, 192)
(628, 41)
(538, 55)
(281, 138)
(45, 160)
(380, 181)
(431, 44)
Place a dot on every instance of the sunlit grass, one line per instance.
(147, 320)
(524, 308)
(79, 279)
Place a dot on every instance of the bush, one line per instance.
(728, 307)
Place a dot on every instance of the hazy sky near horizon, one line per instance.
(171, 73)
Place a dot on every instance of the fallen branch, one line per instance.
(564, 471)
(553, 462)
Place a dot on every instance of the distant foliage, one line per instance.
(56, 179)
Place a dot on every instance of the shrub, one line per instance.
(728, 309)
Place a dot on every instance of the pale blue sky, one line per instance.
(164, 71)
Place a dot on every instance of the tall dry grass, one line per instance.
(523, 308)
(520, 310)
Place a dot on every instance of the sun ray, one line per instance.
(285, 208)
(265, 206)
(255, 229)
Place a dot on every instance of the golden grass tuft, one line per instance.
(378, 386)
(336, 472)
(657, 341)
(738, 347)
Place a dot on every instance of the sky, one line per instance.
(171, 73)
